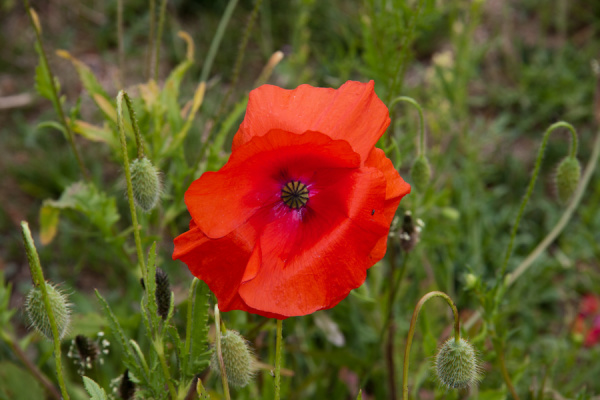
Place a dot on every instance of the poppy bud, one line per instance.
(421, 173)
(471, 281)
(567, 178)
(146, 183)
(237, 357)
(36, 310)
(163, 293)
(456, 364)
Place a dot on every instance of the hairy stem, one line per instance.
(411, 332)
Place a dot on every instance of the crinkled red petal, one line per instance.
(353, 113)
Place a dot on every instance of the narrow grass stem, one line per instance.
(56, 99)
(161, 24)
(134, 221)
(220, 354)
(216, 42)
(536, 171)
(38, 279)
(410, 100)
(411, 332)
(240, 55)
(149, 59)
(121, 51)
(505, 375)
(278, 350)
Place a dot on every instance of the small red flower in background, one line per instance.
(586, 326)
(302, 208)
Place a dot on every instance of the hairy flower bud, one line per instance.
(37, 315)
(567, 178)
(237, 357)
(456, 364)
(146, 183)
(421, 173)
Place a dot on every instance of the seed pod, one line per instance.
(456, 364)
(567, 178)
(36, 310)
(421, 173)
(237, 357)
(163, 293)
(146, 184)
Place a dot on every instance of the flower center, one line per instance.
(294, 194)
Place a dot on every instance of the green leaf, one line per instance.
(199, 357)
(96, 133)
(214, 161)
(94, 390)
(54, 125)
(170, 95)
(97, 206)
(44, 80)
(49, 217)
(87, 77)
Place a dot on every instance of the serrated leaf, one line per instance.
(94, 390)
(170, 96)
(44, 80)
(198, 356)
(49, 217)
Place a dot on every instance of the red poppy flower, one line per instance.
(302, 208)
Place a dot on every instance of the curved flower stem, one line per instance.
(220, 354)
(411, 332)
(161, 24)
(278, 349)
(134, 221)
(536, 171)
(421, 146)
(38, 279)
(55, 98)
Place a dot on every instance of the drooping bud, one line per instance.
(146, 183)
(567, 178)
(36, 310)
(163, 293)
(421, 173)
(237, 357)
(456, 364)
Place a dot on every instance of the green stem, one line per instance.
(121, 50)
(161, 23)
(278, 349)
(216, 42)
(134, 221)
(56, 99)
(505, 375)
(421, 148)
(240, 55)
(220, 354)
(160, 351)
(401, 66)
(151, 38)
(136, 129)
(536, 171)
(38, 279)
(411, 332)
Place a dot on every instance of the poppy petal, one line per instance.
(396, 188)
(353, 113)
(221, 201)
(312, 263)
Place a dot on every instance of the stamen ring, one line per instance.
(294, 194)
